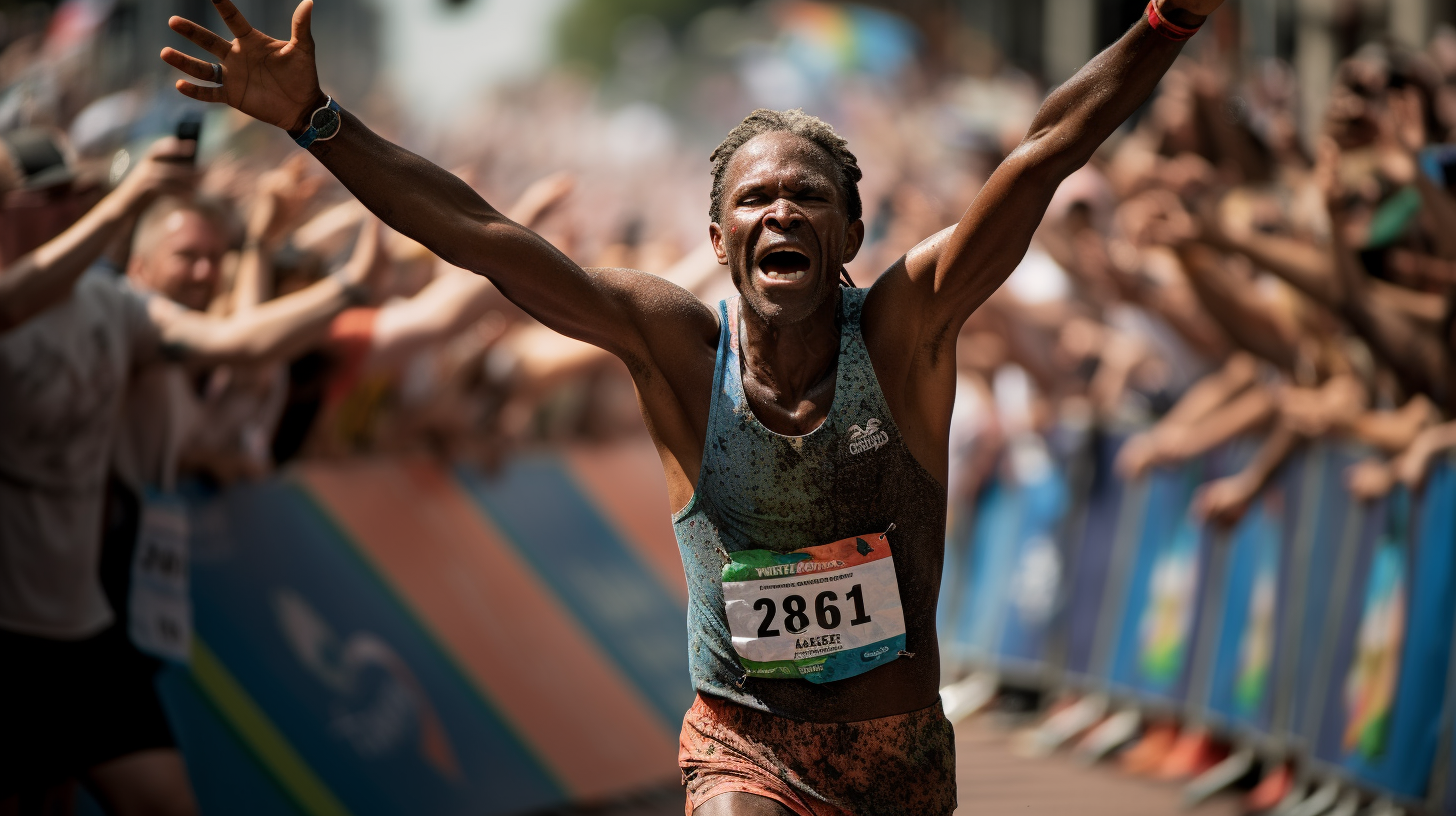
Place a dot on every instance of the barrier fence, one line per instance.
(398, 636)
(1317, 630)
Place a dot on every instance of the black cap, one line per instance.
(37, 156)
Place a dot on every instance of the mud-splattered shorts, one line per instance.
(903, 764)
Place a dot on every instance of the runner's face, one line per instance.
(784, 232)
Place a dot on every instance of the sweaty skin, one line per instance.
(783, 213)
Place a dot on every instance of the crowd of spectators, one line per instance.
(171, 314)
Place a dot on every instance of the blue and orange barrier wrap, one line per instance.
(382, 636)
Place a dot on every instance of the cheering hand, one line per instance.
(166, 169)
(283, 194)
(273, 81)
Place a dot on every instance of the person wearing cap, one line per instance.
(76, 698)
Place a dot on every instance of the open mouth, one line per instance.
(784, 265)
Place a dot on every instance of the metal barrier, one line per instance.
(395, 637)
(385, 636)
(1317, 629)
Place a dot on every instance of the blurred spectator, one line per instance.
(78, 344)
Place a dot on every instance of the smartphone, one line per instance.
(188, 129)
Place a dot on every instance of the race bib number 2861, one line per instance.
(821, 613)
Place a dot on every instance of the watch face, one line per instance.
(325, 123)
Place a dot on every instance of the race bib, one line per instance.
(821, 613)
(160, 606)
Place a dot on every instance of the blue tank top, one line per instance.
(758, 489)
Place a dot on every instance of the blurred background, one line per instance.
(1203, 518)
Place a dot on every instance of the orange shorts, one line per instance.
(903, 764)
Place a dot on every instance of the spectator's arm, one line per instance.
(1418, 358)
(1334, 406)
(43, 277)
(449, 303)
(1156, 444)
(1412, 466)
(1243, 414)
(276, 329)
(1224, 501)
(281, 196)
(1393, 431)
(1238, 373)
(1301, 264)
(456, 298)
(1237, 308)
(1179, 307)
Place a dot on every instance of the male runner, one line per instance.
(796, 423)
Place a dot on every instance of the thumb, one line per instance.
(303, 25)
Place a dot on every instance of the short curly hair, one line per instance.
(798, 123)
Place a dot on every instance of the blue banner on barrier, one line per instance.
(1312, 577)
(1035, 585)
(1382, 709)
(342, 671)
(226, 775)
(1240, 684)
(1397, 686)
(1090, 560)
(1164, 589)
(1011, 570)
(986, 564)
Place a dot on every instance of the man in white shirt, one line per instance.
(76, 699)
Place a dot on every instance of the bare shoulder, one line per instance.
(671, 362)
(906, 290)
(659, 305)
(675, 328)
(911, 345)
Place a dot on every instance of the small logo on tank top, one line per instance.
(868, 438)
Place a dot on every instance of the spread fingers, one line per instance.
(232, 18)
(201, 93)
(204, 39)
(195, 68)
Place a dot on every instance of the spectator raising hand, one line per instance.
(43, 277)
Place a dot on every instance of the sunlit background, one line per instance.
(400, 605)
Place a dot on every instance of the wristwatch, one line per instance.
(323, 125)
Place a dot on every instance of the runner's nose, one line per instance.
(783, 217)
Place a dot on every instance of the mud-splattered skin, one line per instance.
(761, 490)
(772, 492)
(886, 767)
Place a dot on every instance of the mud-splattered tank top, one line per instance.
(758, 489)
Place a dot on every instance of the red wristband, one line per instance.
(1160, 24)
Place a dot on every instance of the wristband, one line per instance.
(1160, 24)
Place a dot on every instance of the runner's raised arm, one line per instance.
(276, 81)
(956, 270)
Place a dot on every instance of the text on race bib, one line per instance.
(820, 613)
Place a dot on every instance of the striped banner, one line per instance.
(380, 636)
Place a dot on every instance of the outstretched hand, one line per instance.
(273, 81)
